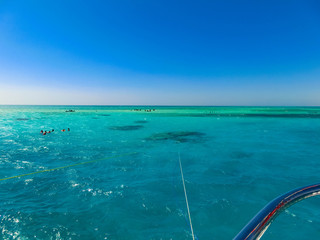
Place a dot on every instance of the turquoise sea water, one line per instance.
(235, 160)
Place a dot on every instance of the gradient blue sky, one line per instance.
(160, 52)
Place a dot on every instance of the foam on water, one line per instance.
(235, 160)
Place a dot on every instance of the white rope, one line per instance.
(185, 194)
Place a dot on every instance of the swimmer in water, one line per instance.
(41, 131)
(63, 130)
(69, 129)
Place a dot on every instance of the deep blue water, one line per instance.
(235, 160)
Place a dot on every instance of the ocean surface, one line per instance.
(116, 175)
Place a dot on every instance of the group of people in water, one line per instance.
(47, 132)
(146, 110)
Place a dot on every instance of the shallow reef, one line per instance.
(126, 128)
(178, 136)
(264, 115)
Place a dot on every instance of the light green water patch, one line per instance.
(274, 112)
(273, 115)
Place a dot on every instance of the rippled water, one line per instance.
(235, 160)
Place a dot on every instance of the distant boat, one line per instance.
(70, 110)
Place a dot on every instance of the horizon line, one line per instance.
(154, 105)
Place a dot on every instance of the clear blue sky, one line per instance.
(160, 52)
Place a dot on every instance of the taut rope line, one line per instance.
(186, 197)
(58, 168)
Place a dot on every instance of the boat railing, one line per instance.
(260, 223)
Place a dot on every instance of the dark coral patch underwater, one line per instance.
(178, 136)
(22, 119)
(141, 121)
(126, 128)
(241, 155)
